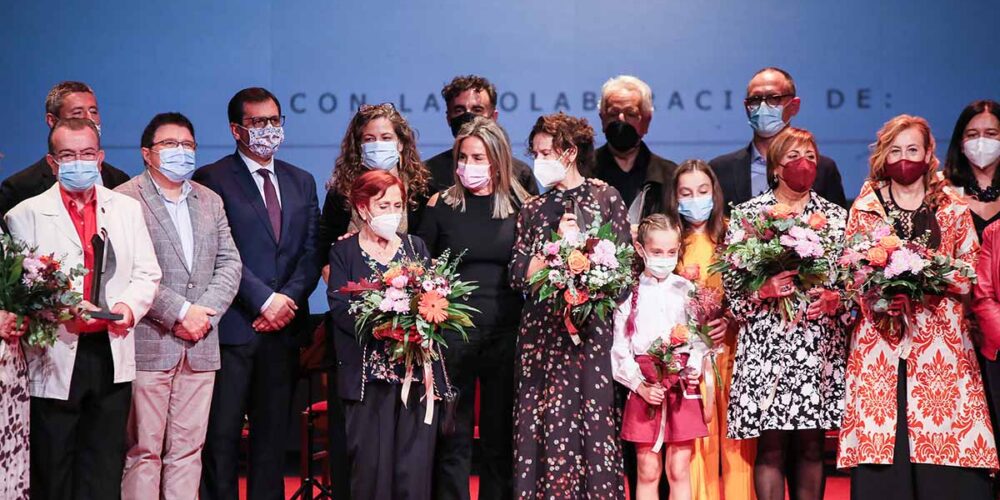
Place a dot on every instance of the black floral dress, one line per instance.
(786, 378)
(565, 442)
(14, 426)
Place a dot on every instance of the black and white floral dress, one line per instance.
(786, 377)
(14, 399)
(565, 442)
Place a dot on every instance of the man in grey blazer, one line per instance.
(176, 344)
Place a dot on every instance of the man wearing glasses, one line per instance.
(177, 343)
(81, 385)
(770, 104)
(65, 100)
(273, 214)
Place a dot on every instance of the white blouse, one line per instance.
(662, 305)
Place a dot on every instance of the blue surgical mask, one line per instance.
(177, 164)
(697, 209)
(380, 155)
(766, 120)
(78, 176)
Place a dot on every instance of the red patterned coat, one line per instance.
(947, 414)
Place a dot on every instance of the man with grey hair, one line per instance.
(65, 100)
(625, 162)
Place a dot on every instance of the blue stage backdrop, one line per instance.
(856, 64)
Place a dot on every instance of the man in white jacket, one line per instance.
(81, 386)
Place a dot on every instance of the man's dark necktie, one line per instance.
(271, 201)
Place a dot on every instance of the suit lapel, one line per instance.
(242, 176)
(55, 211)
(200, 218)
(154, 202)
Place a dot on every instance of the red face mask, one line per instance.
(906, 172)
(799, 174)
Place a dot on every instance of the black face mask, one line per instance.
(621, 136)
(457, 122)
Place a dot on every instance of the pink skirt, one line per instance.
(684, 422)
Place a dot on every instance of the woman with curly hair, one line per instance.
(378, 138)
(565, 442)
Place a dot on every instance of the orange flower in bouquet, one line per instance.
(433, 307)
(890, 243)
(392, 273)
(679, 335)
(578, 262)
(576, 297)
(782, 211)
(817, 221)
(877, 256)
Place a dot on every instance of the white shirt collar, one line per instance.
(254, 166)
(755, 156)
(185, 189)
(646, 280)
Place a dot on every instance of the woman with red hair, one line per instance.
(389, 447)
(916, 423)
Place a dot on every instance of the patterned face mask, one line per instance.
(264, 141)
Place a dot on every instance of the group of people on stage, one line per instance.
(212, 268)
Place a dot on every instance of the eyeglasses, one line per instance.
(753, 102)
(385, 106)
(171, 144)
(68, 156)
(263, 121)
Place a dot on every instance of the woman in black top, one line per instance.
(389, 446)
(973, 158)
(378, 138)
(478, 215)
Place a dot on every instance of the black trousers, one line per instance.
(389, 447)
(904, 480)
(488, 357)
(256, 380)
(78, 445)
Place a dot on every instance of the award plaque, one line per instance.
(98, 242)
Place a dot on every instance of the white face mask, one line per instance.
(661, 267)
(981, 151)
(549, 172)
(380, 155)
(385, 225)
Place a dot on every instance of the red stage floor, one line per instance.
(837, 487)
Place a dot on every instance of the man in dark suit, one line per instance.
(465, 97)
(65, 100)
(274, 215)
(770, 104)
(625, 162)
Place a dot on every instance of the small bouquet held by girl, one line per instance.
(408, 306)
(37, 290)
(773, 241)
(887, 276)
(585, 272)
(660, 350)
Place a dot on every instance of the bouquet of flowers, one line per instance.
(774, 240)
(37, 289)
(408, 306)
(584, 274)
(704, 306)
(878, 267)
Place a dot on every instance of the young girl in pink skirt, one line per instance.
(662, 409)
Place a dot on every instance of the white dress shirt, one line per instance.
(662, 305)
(258, 180)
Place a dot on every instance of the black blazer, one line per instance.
(659, 174)
(37, 178)
(347, 263)
(733, 171)
(290, 266)
(442, 169)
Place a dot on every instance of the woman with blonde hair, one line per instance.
(788, 377)
(478, 215)
(916, 423)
